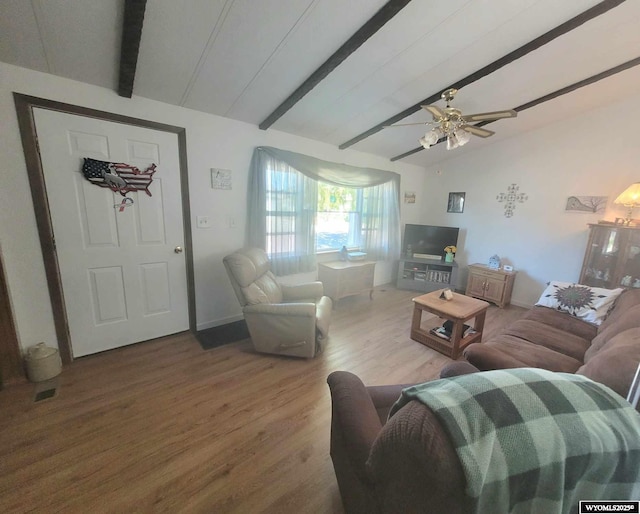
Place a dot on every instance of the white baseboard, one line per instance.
(217, 323)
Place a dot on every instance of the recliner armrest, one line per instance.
(282, 309)
(302, 291)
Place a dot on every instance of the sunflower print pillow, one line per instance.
(590, 304)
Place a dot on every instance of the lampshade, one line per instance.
(452, 142)
(429, 139)
(630, 197)
(462, 136)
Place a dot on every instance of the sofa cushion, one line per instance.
(549, 337)
(560, 320)
(627, 300)
(624, 320)
(587, 303)
(515, 352)
(616, 363)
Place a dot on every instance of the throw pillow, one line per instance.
(590, 304)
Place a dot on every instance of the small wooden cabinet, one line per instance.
(346, 278)
(492, 285)
(612, 258)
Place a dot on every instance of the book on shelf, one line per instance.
(427, 256)
(447, 329)
(441, 332)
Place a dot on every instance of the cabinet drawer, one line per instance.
(493, 275)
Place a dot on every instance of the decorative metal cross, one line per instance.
(511, 197)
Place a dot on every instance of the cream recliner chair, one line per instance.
(285, 320)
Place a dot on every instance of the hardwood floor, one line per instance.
(165, 426)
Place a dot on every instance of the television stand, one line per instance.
(426, 275)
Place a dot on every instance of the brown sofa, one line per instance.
(553, 340)
(408, 464)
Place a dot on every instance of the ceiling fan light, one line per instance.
(432, 137)
(452, 142)
(429, 139)
(462, 136)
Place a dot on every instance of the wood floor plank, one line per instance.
(164, 426)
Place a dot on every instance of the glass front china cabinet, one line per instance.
(612, 258)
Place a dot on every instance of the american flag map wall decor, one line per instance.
(119, 177)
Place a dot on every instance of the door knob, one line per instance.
(178, 249)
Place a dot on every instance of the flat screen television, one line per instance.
(428, 239)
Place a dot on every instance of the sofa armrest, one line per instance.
(457, 368)
(487, 358)
(302, 291)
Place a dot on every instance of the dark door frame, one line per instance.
(11, 369)
(24, 109)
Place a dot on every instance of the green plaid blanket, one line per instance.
(534, 441)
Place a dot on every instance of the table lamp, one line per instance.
(630, 197)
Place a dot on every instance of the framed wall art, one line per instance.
(409, 197)
(586, 204)
(456, 202)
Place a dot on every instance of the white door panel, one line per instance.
(122, 281)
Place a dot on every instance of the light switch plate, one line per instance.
(203, 222)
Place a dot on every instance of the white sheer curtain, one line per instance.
(282, 209)
(381, 221)
(283, 200)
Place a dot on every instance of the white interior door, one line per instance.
(122, 280)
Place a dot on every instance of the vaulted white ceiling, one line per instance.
(242, 58)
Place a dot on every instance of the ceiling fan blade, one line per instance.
(435, 111)
(477, 131)
(485, 116)
(405, 124)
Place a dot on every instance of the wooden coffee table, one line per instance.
(462, 308)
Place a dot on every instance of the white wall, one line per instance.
(592, 154)
(212, 141)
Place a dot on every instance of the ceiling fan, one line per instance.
(450, 124)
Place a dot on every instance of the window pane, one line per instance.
(337, 229)
(336, 198)
(332, 230)
(276, 224)
(280, 244)
(338, 217)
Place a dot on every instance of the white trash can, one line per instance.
(43, 362)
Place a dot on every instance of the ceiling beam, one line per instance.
(532, 45)
(375, 23)
(131, 34)
(563, 91)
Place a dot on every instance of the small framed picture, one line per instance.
(456, 202)
(220, 179)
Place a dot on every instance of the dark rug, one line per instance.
(224, 334)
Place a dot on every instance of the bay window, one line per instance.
(300, 206)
